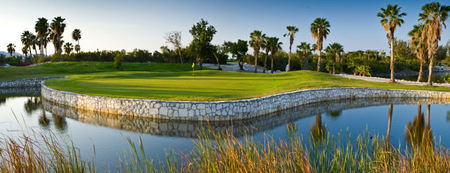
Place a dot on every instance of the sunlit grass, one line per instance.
(207, 85)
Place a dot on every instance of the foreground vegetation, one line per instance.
(226, 153)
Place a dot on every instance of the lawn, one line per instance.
(67, 68)
(174, 83)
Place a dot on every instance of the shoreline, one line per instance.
(224, 110)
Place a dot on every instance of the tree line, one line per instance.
(422, 47)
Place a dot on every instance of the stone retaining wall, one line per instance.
(25, 83)
(224, 110)
(238, 128)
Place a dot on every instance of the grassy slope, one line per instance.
(207, 85)
(67, 68)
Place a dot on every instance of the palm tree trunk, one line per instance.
(430, 71)
(318, 62)
(392, 61)
(334, 64)
(265, 61)
(256, 61)
(419, 78)
(289, 59)
(271, 63)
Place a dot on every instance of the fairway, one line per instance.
(207, 85)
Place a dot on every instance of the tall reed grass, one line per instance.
(223, 152)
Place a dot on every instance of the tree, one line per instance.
(335, 49)
(320, 29)
(390, 19)
(174, 38)
(34, 42)
(27, 41)
(42, 29)
(11, 48)
(274, 46)
(433, 17)
(266, 47)
(57, 29)
(25, 51)
(291, 33)
(304, 49)
(201, 44)
(76, 35)
(418, 45)
(68, 47)
(237, 49)
(256, 40)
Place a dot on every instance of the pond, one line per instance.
(440, 77)
(26, 112)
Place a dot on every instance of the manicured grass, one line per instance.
(207, 85)
(67, 68)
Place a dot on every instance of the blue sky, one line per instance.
(117, 24)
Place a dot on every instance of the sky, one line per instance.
(143, 24)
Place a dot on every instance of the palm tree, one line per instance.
(68, 47)
(34, 42)
(291, 33)
(304, 49)
(76, 35)
(27, 40)
(274, 46)
(25, 51)
(335, 49)
(419, 45)
(433, 17)
(266, 47)
(42, 28)
(256, 40)
(11, 49)
(57, 27)
(320, 28)
(390, 19)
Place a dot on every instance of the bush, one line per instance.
(117, 61)
(14, 61)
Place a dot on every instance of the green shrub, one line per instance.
(117, 61)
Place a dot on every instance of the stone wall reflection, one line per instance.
(238, 128)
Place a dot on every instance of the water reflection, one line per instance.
(238, 128)
(43, 120)
(318, 130)
(417, 132)
(388, 133)
(32, 104)
(335, 114)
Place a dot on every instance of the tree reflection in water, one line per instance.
(60, 122)
(335, 114)
(32, 104)
(318, 130)
(418, 134)
(43, 120)
(388, 133)
(2, 100)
